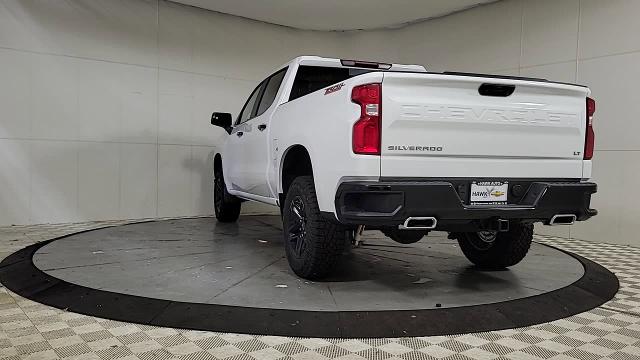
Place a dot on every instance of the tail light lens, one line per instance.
(590, 135)
(367, 130)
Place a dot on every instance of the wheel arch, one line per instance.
(295, 161)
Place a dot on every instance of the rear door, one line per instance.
(257, 144)
(437, 125)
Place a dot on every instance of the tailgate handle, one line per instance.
(498, 90)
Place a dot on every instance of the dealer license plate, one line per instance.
(489, 192)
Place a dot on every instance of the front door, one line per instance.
(250, 143)
(235, 158)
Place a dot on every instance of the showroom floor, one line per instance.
(29, 330)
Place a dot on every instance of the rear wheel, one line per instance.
(497, 250)
(313, 243)
(225, 205)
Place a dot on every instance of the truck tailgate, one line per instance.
(439, 125)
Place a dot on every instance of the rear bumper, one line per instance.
(389, 203)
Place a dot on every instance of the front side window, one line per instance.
(270, 91)
(247, 111)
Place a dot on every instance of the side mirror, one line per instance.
(223, 120)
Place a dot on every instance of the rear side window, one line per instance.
(270, 91)
(313, 78)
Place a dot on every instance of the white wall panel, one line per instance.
(175, 36)
(201, 168)
(609, 27)
(15, 94)
(627, 208)
(239, 48)
(175, 107)
(15, 29)
(614, 82)
(54, 97)
(116, 30)
(138, 180)
(549, 31)
(98, 181)
(99, 111)
(54, 181)
(174, 180)
(564, 72)
(138, 103)
(479, 40)
(15, 181)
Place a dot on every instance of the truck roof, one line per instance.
(334, 62)
(312, 60)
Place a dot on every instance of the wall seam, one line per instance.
(622, 53)
(192, 206)
(30, 144)
(578, 38)
(157, 107)
(77, 149)
(576, 67)
(549, 63)
(31, 169)
(119, 216)
(88, 58)
(66, 140)
(521, 37)
(77, 212)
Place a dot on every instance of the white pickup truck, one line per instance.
(343, 144)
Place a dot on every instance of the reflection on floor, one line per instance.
(29, 330)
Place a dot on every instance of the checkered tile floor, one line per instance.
(29, 330)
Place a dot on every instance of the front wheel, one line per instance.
(312, 243)
(225, 205)
(497, 250)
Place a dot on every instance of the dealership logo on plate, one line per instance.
(489, 192)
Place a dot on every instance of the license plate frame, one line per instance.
(489, 193)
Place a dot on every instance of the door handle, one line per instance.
(239, 133)
(261, 127)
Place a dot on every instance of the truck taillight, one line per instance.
(367, 130)
(589, 138)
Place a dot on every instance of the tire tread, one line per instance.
(326, 239)
(508, 249)
(231, 205)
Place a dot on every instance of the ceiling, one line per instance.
(336, 14)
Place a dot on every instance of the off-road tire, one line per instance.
(226, 206)
(323, 240)
(508, 249)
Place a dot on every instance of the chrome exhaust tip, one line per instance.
(562, 219)
(419, 223)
